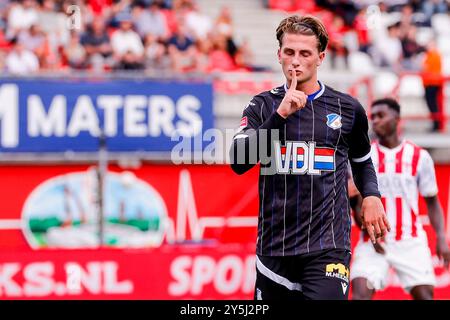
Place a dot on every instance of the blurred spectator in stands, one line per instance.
(395, 5)
(224, 22)
(410, 17)
(32, 39)
(21, 61)
(282, 5)
(22, 15)
(432, 80)
(4, 7)
(127, 46)
(416, 4)
(411, 50)
(383, 18)
(163, 4)
(178, 4)
(198, 24)
(387, 51)
(182, 50)
(344, 8)
(336, 45)
(406, 19)
(203, 50)
(74, 53)
(2, 60)
(53, 24)
(154, 53)
(35, 40)
(170, 18)
(219, 58)
(431, 7)
(245, 60)
(118, 8)
(150, 20)
(97, 44)
(360, 26)
(224, 27)
(99, 8)
(4, 43)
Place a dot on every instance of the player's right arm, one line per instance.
(245, 149)
(254, 130)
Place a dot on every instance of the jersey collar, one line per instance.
(314, 95)
(394, 150)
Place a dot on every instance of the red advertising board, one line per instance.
(170, 232)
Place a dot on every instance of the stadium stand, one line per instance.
(376, 39)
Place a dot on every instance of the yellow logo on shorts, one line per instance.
(337, 270)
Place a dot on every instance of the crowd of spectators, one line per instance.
(174, 35)
(386, 30)
(110, 35)
(386, 34)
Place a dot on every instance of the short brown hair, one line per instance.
(306, 25)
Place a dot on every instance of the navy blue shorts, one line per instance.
(319, 275)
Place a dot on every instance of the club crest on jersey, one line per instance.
(334, 121)
(300, 157)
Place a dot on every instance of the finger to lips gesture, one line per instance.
(294, 99)
(298, 98)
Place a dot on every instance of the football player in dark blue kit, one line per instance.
(304, 134)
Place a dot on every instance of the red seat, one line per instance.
(306, 6)
(284, 5)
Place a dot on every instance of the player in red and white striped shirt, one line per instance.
(404, 170)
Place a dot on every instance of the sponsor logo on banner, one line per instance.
(164, 274)
(51, 278)
(49, 116)
(62, 212)
(201, 247)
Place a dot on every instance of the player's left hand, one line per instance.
(443, 252)
(374, 219)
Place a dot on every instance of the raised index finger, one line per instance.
(293, 85)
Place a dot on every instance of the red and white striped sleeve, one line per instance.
(426, 176)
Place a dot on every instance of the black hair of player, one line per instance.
(391, 103)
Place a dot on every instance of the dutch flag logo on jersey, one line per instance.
(324, 159)
(334, 121)
(299, 157)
